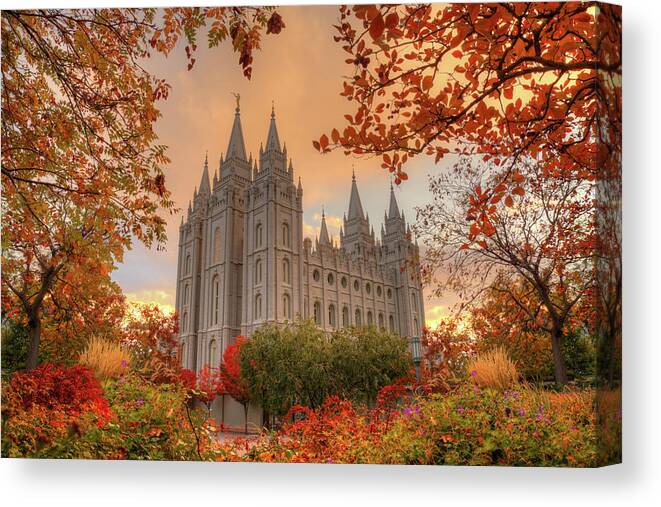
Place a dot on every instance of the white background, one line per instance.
(636, 482)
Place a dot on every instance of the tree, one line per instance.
(447, 350)
(230, 376)
(81, 164)
(505, 81)
(208, 386)
(514, 324)
(301, 364)
(365, 359)
(151, 334)
(544, 239)
(502, 80)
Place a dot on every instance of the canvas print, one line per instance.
(377, 234)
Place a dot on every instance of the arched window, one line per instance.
(258, 235)
(258, 306)
(187, 267)
(215, 298)
(212, 352)
(391, 323)
(331, 315)
(356, 285)
(186, 294)
(381, 323)
(286, 306)
(368, 288)
(286, 274)
(184, 323)
(317, 313)
(345, 316)
(358, 320)
(378, 290)
(316, 275)
(258, 271)
(414, 302)
(370, 319)
(285, 234)
(416, 327)
(216, 245)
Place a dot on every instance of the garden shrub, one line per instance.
(108, 359)
(493, 369)
(151, 422)
(49, 404)
(469, 426)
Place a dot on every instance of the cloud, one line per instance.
(163, 298)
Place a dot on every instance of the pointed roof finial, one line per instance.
(353, 172)
(393, 209)
(324, 239)
(273, 109)
(355, 206)
(236, 147)
(272, 138)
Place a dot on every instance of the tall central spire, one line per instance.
(355, 206)
(273, 141)
(236, 147)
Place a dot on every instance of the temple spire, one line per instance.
(355, 206)
(393, 211)
(204, 182)
(323, 233)
(273, 141)
(236, 147)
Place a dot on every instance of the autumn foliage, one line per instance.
(499, 80)
(230, 375)
(73, 390)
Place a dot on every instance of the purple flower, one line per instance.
(407, 412)
(329, 461)
(461, 410)
(125, 363)
(474, 373)
(521, 412)
(139, 402)
(508, 411)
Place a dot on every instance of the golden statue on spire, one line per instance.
(237, 96)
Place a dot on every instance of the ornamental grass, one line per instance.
(108, 359)
(493, 369)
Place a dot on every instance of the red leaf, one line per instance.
(377, 26)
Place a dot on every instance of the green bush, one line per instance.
(301, 364)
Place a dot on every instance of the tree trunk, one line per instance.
(558, 356)
(245, 418)
(34, 334)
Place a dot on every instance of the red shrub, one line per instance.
(73, 390)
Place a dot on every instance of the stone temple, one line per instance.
(243, 261)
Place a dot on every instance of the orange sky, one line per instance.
(300, 70)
